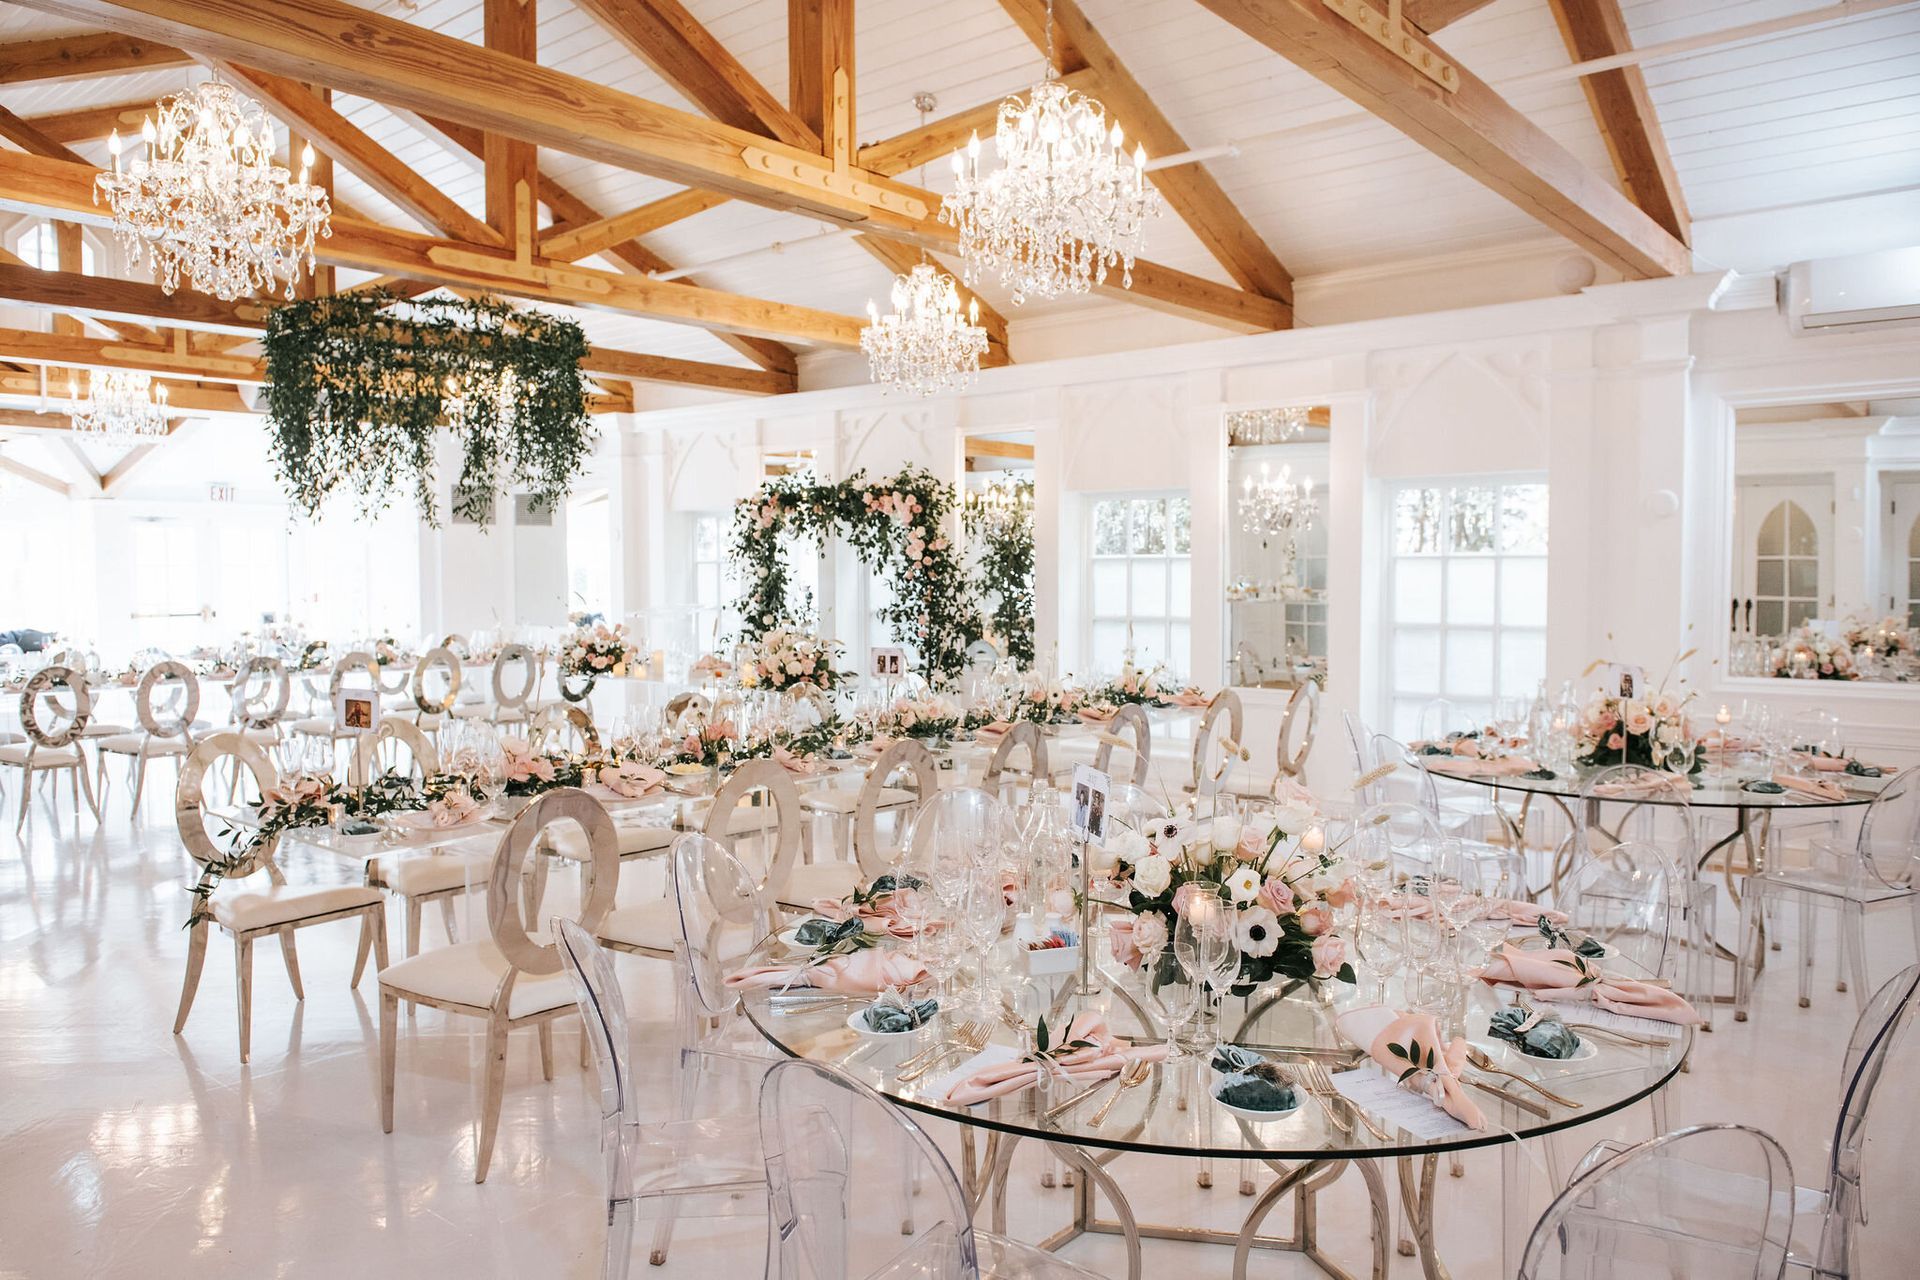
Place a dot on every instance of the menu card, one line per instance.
(1368, 1087)
(1587, 1015)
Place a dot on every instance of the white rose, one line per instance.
(1293, 818)
(1152, 874)
(1128, 846)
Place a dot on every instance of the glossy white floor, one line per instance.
(125, 1151)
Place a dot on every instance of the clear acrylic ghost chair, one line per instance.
(1819, 732)
(1876, 869)
(1413, 783)
(1713, 1202)
(832, 1147)
(963, 819)
(1359, 743)
(706, 1166)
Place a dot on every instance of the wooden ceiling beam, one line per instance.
(37, 185)
(30, 421)
(26, 135)
(512, 166)
(104, 297)
(572, 241)
(1188, 189)
(309, 114)
(82, 57)
(1623, 111)
(90, 124)
(695, 373)
(1471, 128)
(133, 459)
(67, 351)
(34, 475)
(662, 34)
(980, 447)
(940, 138)
(1431, 15)
(192, 396)
(820, 67)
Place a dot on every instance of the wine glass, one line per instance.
(1203, 944)
(983, 915)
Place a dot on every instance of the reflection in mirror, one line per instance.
(1826, 541)
(997, 514)
(1277, 546)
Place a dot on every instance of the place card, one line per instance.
(1587, 1015)
(1368, 1087)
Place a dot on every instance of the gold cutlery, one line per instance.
(1135, 1074)
(1479, 1058)
(970, 1038)
(1645, 1042)
(934, 1048)
(1531, 1108)
(1319, 1082)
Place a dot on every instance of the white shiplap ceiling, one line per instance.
(1819, 114)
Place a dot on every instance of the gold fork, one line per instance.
(971, 1038)
(1320, 1081)
(1479, 1058)
(938, 1045)
(1136, 1074)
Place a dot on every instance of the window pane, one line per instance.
(1472, 520)
(1416, 662)
(1470, 591)
(1803, 577)
(706, 538)
(706, 584)
(1109, 645)
(1181, 511)
(1149, 526)
(1150, 588)
(1416, 591)
(1416, 522)
(1523, 662)
(1109, 588)
(1110, 527)
(1470, 664)
(1773, 533)
(1523, 518)
(1180, 602)
(1770, 577)
(1799, 611)
(1406, 718)
(1523, 592)
(1801, 538)
(1767, 618)
(1180, 650)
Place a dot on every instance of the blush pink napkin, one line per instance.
(1522, 913)
(791, 762)
(1480, 767)
(1096, 715)
(869, 971)
(1551, 975)
(1107, 1056)
(1191, 698)
(993, 730)
(1818, 788)
(1820, 764)
(631, 780)
(893, 914)
(1377, 1027)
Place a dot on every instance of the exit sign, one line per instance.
(218, 492)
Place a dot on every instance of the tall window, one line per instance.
(1466, 597)
(166, 602)
(1138, 582)
(39, 246)
(590, 554)
(713, 587)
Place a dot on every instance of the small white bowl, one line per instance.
(1248, 1113)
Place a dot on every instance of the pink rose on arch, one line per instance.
(1315, 919)
(1329, 953)
(1276, 895)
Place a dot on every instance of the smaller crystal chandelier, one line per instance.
(1278, 509)
(206, 199)
(1000, 506)
(122, 407)
(1066, 204)
(1265, 426)
(923, 346)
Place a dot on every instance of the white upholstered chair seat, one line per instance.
(283, 904)
(819, 880)
(105, 729)
(267, 736)
(473, 710)
(840, 800)
(654, 925)
(318, 726)
(131, 743)
(44, 758)
(469, 973)
(568, 843)
(415, 874)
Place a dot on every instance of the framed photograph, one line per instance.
(357, 709)
(889, 663)
(1626, 681)
(1091, 788)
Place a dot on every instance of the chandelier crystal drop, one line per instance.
(1066, 205)
(121, 407)
(926, 344)
(204, 198)
(1265, 426)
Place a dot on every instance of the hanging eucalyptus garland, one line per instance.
(898, 524)
(1004, 541)
(356, 395)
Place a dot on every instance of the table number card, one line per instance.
(888, 663)
(1090, 791)
(357, 709)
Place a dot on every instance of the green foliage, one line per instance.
(356, 395)
(899, 524)
(1006, 568)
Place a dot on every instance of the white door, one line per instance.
(1784, 575)
(1903, 551)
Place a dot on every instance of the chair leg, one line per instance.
(619, 1254)
(80, 776)
(360, 952)
(546, 1049)
(1752, 910)
(496, 1086)
(196, 960)
(446, 918)
(1853, 944)
(1809, 926)
(292, 958)
(413, 927)
(243, 981)
(389, 1046)
(379, 936)
(26, 791)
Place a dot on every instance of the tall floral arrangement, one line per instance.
(598, 650)
(1889, 637)
(1003, 539)
(784, 657)
(1811, 654)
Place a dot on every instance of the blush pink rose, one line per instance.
(1639, 720)
(1120, 939)
(1329, 953)
(1466, 747)
(1251, 847)
(1616, 742)
(1276, 895)
(1183, 896)
(1315, 919)
(1150, 932)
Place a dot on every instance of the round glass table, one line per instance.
(1172, 1113)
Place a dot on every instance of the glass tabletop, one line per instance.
(1173, 1111)
(1712, 789)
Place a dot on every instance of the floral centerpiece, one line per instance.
(784, 657)
(1044, 701)
(598, 650)
(1274, 871)
(1889, 637)
(934, 716)
(1150, 687)
(1651, 731)
(313, 655)
(1811, 654)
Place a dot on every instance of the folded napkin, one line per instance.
(1096, 715)
(1190, 697)
(1379, 1030)
(992, 730)
(631, 779)
(1479, 767)
(1558, 975)
(1523, 913)
(1106, 1055)
(1818, 788)
(871, 971)
(893, 914)
(454, 809)
(1819, 763)
(1646, 785)
(791, 762)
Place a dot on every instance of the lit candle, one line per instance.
(1313, 840)
(1723, 717)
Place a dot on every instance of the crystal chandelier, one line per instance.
(1278, 509)
(122, 407)
(206, 199)
(1265, 426)
(1000, 506)
(1066, 203)
(925, 344)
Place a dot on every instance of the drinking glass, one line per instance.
(1203, 944)
(983, 916)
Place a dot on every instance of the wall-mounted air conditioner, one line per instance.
(1862, 291)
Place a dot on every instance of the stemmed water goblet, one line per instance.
(1203, 944)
